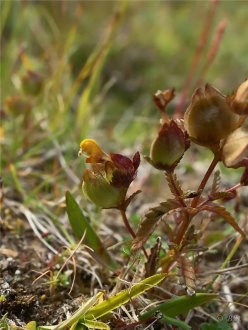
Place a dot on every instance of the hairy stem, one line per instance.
(171, 179)
(205, 180)
(187, 218)
(186, 221)
(129, 228)
(202, 42)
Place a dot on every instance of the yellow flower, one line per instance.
(108, 180)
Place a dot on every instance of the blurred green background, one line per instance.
(100, 63)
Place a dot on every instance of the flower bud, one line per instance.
(17, 105)
(32, 83)
(92, 150)
(239, 101)
(168, 147)
(100, 191)
(106, 184)
(162, 99)
(209, 117)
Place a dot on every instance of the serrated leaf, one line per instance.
(179, 305)
(222, 212)
(187, 273)
(151, 221)
(174, 185)
(216, 182)
(152, 262)
(222, 195)
(123, 297)
(91, 324)
(80, 226)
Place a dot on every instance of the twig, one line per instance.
(129, 228)
(197, 57)
(213, 50)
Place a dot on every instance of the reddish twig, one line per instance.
(129, 228)
(213, 50)
(196, 58)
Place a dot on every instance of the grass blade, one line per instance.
(178, 323)
(81, 311)
(123, 297)
(96, 325)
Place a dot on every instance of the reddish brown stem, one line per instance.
(129, 228)
(196, 58)
(127, 224)
(234, 188)
(172, 181)
(205, 180)
(213, 50)
(186, 221)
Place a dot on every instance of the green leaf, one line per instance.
(151, 220)
(31, 325)
(73, 320)
(180, 324)
(80, 226)
(91, 324)
(123, 297)
(179, 305)
(221, 325)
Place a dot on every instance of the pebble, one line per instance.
(18, 272)
(5, 285)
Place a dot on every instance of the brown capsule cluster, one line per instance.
(220, 123)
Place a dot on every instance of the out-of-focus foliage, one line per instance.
(151, 48)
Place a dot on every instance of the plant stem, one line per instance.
(186, 221)
(171, 179)
(129, 228)
(127, 224)
(187, 218)
(202, 42)
(205, 180)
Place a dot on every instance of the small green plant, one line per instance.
(212, 120)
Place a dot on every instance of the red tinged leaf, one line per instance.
(136, 160)
(152, 262)
(222, 212)
(122, 162)
(187, 273)
(151, 220)
(223, 195)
